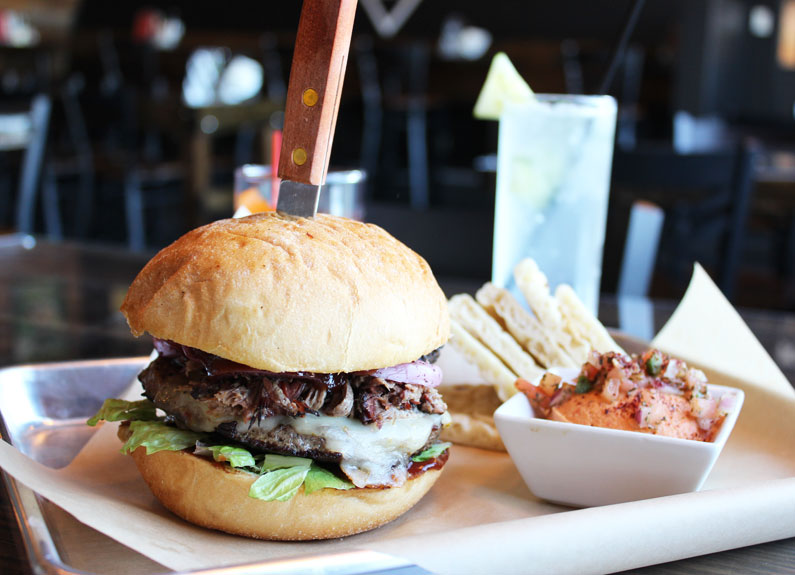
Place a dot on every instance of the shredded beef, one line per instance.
(377, 399)
(340, 401)
(255, 395)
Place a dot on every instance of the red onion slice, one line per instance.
(727, 403)
(703, 407)
(642, 415)
(417, 372)
(167, 348)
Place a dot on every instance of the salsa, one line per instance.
(649, 392)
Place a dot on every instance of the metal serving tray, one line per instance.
(43, 409)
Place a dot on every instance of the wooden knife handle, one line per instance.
(313, 95)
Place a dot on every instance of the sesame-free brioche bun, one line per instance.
(285, 294)
(215, 495)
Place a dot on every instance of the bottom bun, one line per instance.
(214, 495)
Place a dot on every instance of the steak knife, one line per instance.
(313, 100)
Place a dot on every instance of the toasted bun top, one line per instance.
(283, 293)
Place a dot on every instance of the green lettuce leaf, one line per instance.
(279, 484)
(234, 456)
(121, 410)
(283, 476)
(280, 476)
(157, 436)
(432, 452)
(273, 462)
(319, 478)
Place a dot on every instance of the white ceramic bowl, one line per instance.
(585, 466)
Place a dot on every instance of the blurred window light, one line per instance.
(213, 77)
(786, 36)
(240, 81)
(460, 41)
(761, 21)
(209, 124)
(16, 30)
(152, 26)
(693, 134)
(202, 73)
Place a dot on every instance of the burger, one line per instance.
(293, 393)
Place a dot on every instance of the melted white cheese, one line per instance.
(370, 456)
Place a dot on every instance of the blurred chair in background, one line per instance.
(640, 249)
(372, 110)
(705, 197)
(74, 161)
(635, 310)
(152, 177)
(125, 155)
(275, 83)
(406, 104)
(33, 140)
(629, 97)
(772, 227)
(572, 66)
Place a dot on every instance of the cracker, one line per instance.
(490, 366)
(534, 286)
(523, 326)
(472, 317)
(581, 323)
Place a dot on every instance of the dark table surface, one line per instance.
(60, 302)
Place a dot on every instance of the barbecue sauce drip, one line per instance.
(419, 467)
(215, 366)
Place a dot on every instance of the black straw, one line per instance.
(617, 57)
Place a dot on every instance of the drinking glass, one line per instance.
(341, 195)
(554, 158)
(256, 188)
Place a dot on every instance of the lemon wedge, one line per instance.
(503, 84)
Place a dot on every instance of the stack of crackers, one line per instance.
(505, 341)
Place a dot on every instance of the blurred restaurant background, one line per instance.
(122, 123)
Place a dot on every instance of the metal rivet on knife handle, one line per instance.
(310, 97)
(299, 156)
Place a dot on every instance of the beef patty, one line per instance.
(328, 418)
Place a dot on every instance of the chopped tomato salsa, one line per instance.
(650, 392)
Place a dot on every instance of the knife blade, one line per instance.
(313, 98)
